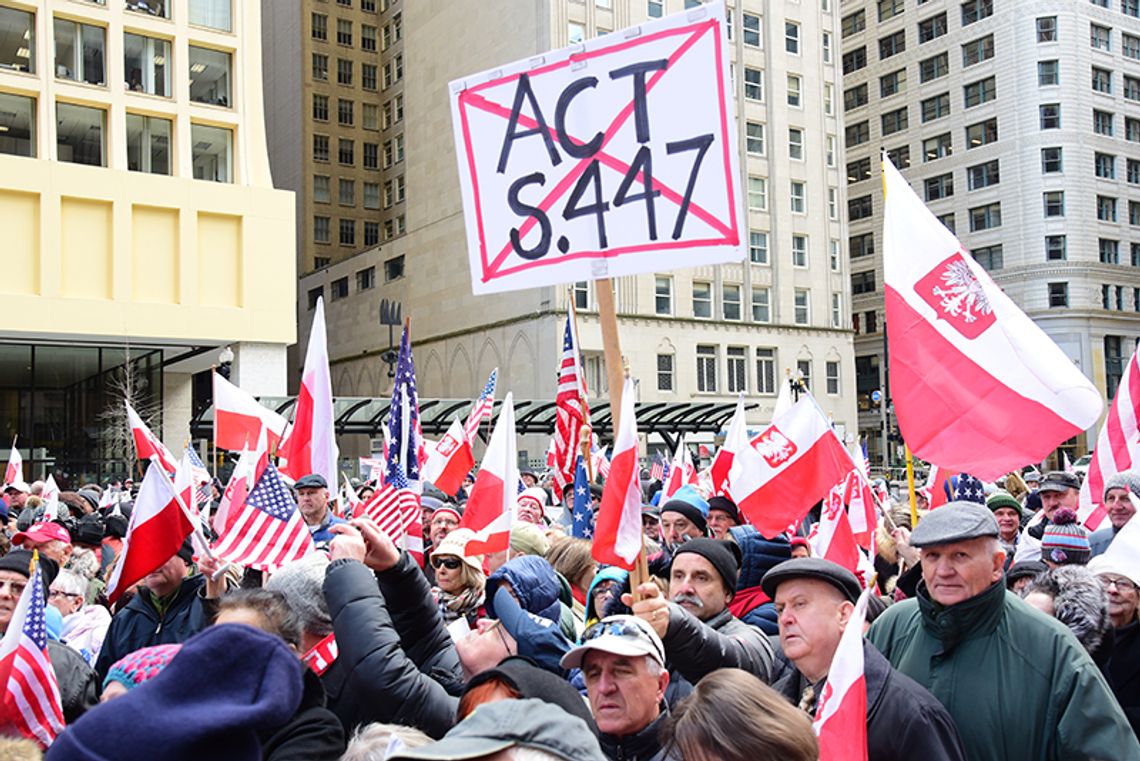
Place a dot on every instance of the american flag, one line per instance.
(268, 531)
(1117, 446)
(600, 462)
(393, 507)
(406, 453)
(573, 410)
(484, 405)
(969, 489)
(659, 469)
(583, 526)
(202, 478)
(31, 695)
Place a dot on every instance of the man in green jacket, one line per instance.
(1017, 683)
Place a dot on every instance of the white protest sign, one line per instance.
(613, 157)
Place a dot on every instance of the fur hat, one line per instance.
(1079, 602)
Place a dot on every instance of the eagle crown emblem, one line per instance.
(963, 295)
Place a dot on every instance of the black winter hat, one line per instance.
(725, 557)
(20, 561)
(89, 530)
(689, 510)
(725, 505)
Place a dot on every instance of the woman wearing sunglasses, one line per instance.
(460, 584)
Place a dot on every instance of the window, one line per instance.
(393, 71)
(664, 372)
(213, 14)
(1047, 29)
(833, 254)
(346, 192)
(798, 197)
(1100, 37)
(394, 270)
(870, 320)
(321, 228)
(937, 147)
(803, 367)
(1058, 294)
(753, 84)
(368, 76)
(1102, 122)
(801, 306)
(761, 300)
(702, 299)
(1131, 88)
(829, 149)
(858, 171)
(346, 150)
(892, 84)
(791, 37)
(17, 48)
(934, 67)
(857, 134)
(894, 121)
(370, 116)
(982, 133)
(664, 295)
(979, 92)
(1050, 115)
(1054, 203)
(320, 108)
(212, 153)
(348, 232)
(366, 279)
(826, 45)
(936, 107)
(1134, 213)
(79, 52)
(855, 60)
(939, 187)
(757, 194)
(757, 247)
(983, 175)
(795, 143)
(344, 112)
(766, 371)
(1129, 8)
(148, 144)
(314, 296)
(1133, 171)
(344, 32)
(795, 84)
(319, 26)
(145, 62)
(321, 188)
(861, 245)
(832, 375)
(931, 28)
(976, 10)
(1048, 73)
(859, 208)
(977, 51)
(1106, 208)
(948, 222)
(985, 217)
(1055, 248)
(1130, 46)
(799, 251)
(80, 134)
(209, 76)
(853, 23)
(862, 282)
(343, 71)
(737, 371)
(338, 289)
(1104, 165)
(889, 9)
(371, 233)
(854, 97)
(1051, 160)
(1109, 251)
(367, 37)
(754, 138)
(1132, 129)
(892, 44)
(1102, 81)
(1135, 259)
(320, 148)
(320, 67)
(706, 369)
(18, 117)
(990, 257)
(751, 27)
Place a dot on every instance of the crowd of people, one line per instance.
(996, 628)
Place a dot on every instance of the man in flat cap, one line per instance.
(814, 601)
(313, 502)
(1016, 682)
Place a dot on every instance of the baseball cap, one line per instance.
(1059, 480)
(619, 635)
(17, 486)
(43, 532)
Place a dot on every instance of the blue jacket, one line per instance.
(534, 582)
(321, 534)
(759, 555)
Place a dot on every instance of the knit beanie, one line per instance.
(141, 666)
(1065, 541)
(227, 685)
(725, 557)
(528, 539)
(302, 582)
(725, 505)
(1000, 499)
(1125, 479)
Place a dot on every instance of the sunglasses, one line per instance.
(450, 564)
(620, 629)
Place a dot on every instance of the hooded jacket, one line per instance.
(535, 585)
(758, 556)
(312, 734)
(1016, 682)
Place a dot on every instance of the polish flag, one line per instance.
(835, 540)
(735, 439)
(449, 460)
(681, 472)
(977, 386)
(862, 510)
(617, 530)
(15, 470)
(311, 444)
(491, 504)
(938, 486)
(841, 712)
(239, 418)
(246, 472)
(147, 445)
(157, 528)
(1117, 447)
(50, 496)
(790, 465)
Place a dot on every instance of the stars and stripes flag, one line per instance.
(970, 489)
(573, 410)
(406, 454)
(15, 469)
(393, 508)
(599, 462)
(484, 405)
(203, 494)
(31, 700)
(1117, 446)
(583, 515)
(657, 469)
(267, 532)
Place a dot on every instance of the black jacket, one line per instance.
(395, 663)
(695, 648)
(78, 685)
(904, 721)
(313, 734)
(1124, 672)
(139, 624)
(643, 746)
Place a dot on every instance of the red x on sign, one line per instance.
(611, 158)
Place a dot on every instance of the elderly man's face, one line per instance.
(165, 579)
(530, 511)
(957, 571)
(1123, 598)
(1119, 506)
(313, 504)
(16, 499)
(484, 646)
(719, 523)
(442, 524)
(625, 692)
(696, 586)
(1052, 500)
(11, 587)
(52, 548)
(676, 528)
(1009, 522)
(812, 615)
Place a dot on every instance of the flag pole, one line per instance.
(185, 510)
(910, 486)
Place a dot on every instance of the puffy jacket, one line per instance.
(375, 676)
(1017, 683)
(758, 556)
(78, 685)
(535, 584)
(312, 734)
(537, 637)
(140, 625)
(695, 648)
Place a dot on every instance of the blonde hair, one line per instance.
(370, 743)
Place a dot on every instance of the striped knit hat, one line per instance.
(1065, 541)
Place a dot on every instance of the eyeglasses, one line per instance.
(620, 629)
(1122, 585)
(450, 564)
(56, 594)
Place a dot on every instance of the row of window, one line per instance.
(365, 281)
(393, 153)
(346, 231)
(212, 14)
(393, 72)
(346, 192)
(1127, 7)
(736, 371)
(371, 37)
(1113, 297)
(80, 53)
(935, 26)
(731, 306)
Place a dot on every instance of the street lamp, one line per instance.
(225, 360)
(390, 316)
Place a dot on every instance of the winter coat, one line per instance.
(904, 721)
(642, 746)
(758, 556)
(313, 734)
(1099, 540)
(1124, 672)
(78, 685)
(535, 584)
(694, 648)
(537, 637)
(1016, 682)
(84, 630)
(322, 534)
(395, 663)
(140, 625)
(609, 573)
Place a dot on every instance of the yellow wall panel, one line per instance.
(85, 248)
(154, 255)
(219, 260)
(20, 221)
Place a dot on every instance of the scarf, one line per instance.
(452, 606)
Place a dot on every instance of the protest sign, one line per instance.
(613, 157)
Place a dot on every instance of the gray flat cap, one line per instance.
(812, 568)
(1059, 480)
(954, 522)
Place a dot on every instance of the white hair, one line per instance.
(70, 583)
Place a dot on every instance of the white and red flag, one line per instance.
(249, 467)
(573, 411)
(311, 444)
(735, 439)
(267, 530)
(977, 386)
(31, 702)
(157, 528)
(449, 460)
(617, 529)
(50, 496)
(841, 711)
(1117, 446)
(492, 502)
(351, 500)
(147, 445)
(938, 486)
(790, 465)
(239, 418)
(835, 540)
(862, 509)
(482, 408)
(681, 473)
(14, 473)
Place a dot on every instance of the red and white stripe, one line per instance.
(147, 445)
(841, 712)
(260, 541)
(311, 444)
(31, 701)
(617, 533)
(392, 510)
(1117, 446)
